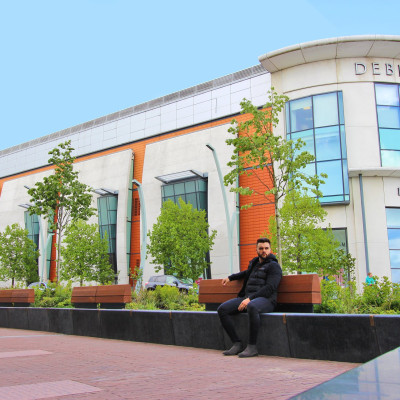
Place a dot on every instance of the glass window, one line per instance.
(192, 199)
(388, 114)
(390, 158)
(396, 275)
(395, 259)
(393, 228)
(327, 143)
(325, 110)
(387, 95)
(341, 236)
(390, 138)
(193, 191)
(335, 179)
(190, 186)
(394, 238)
(301, 114)
(308, 138)
(393, 217)
(388, 117)
(319, 121)
(179, 188)
(32, 226)
(107, 211)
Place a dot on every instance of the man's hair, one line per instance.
(263, 240)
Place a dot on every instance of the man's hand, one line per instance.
(225, 281)
(243, 304)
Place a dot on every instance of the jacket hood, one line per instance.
(269, 258)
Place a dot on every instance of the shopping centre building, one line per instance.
(344, 103)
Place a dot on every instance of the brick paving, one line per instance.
(83, 368)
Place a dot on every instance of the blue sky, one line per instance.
(64, 62)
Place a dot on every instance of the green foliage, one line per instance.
(305, 246)
(55, 296)
(165, 298)
(85, 255)
(337, 299)
(18, 256)
(179, 240)
(60, 197)
(257, 150)
(381, 298)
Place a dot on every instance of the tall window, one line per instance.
(388, 112)
(319, 121)
(32, 226)
(193, 192)
(393, 229)
(107, 207)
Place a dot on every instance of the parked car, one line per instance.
(161, 280)
(40, 285)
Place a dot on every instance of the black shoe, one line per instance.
(234, 350)
(250, 351)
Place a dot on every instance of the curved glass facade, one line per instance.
(393, 229)
(319, 121)
(388, 114)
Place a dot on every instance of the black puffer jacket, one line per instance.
(261, 282)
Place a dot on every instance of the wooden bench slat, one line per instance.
(302, 298)
(17, 296)
(113, 299)
(85, 291)
(300, 289)
(299, 284)
(102, 294)
(83, 299)
(112, 290)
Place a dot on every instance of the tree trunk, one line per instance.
(278, 234)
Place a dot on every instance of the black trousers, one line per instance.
(254, 308)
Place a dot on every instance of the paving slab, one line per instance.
(44, 365)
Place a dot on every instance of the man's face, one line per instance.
(263, 250)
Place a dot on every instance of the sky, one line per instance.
(65, 62)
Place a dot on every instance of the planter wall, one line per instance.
(336, 337)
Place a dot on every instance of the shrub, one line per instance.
(336, 299)
(381, 298)
(165, 298)
(55, 296)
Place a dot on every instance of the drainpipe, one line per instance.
(364, 224)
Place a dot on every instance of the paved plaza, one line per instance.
(43, 365)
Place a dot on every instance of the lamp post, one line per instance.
(143, 246)
(230, 220)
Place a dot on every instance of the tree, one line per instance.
(60, 197)
(85, 254)
(18, 255)
(305, 246)
(180, 240)
(257, 150)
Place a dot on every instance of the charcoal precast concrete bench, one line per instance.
(17, 297)
(296, 293)
(336, 337)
